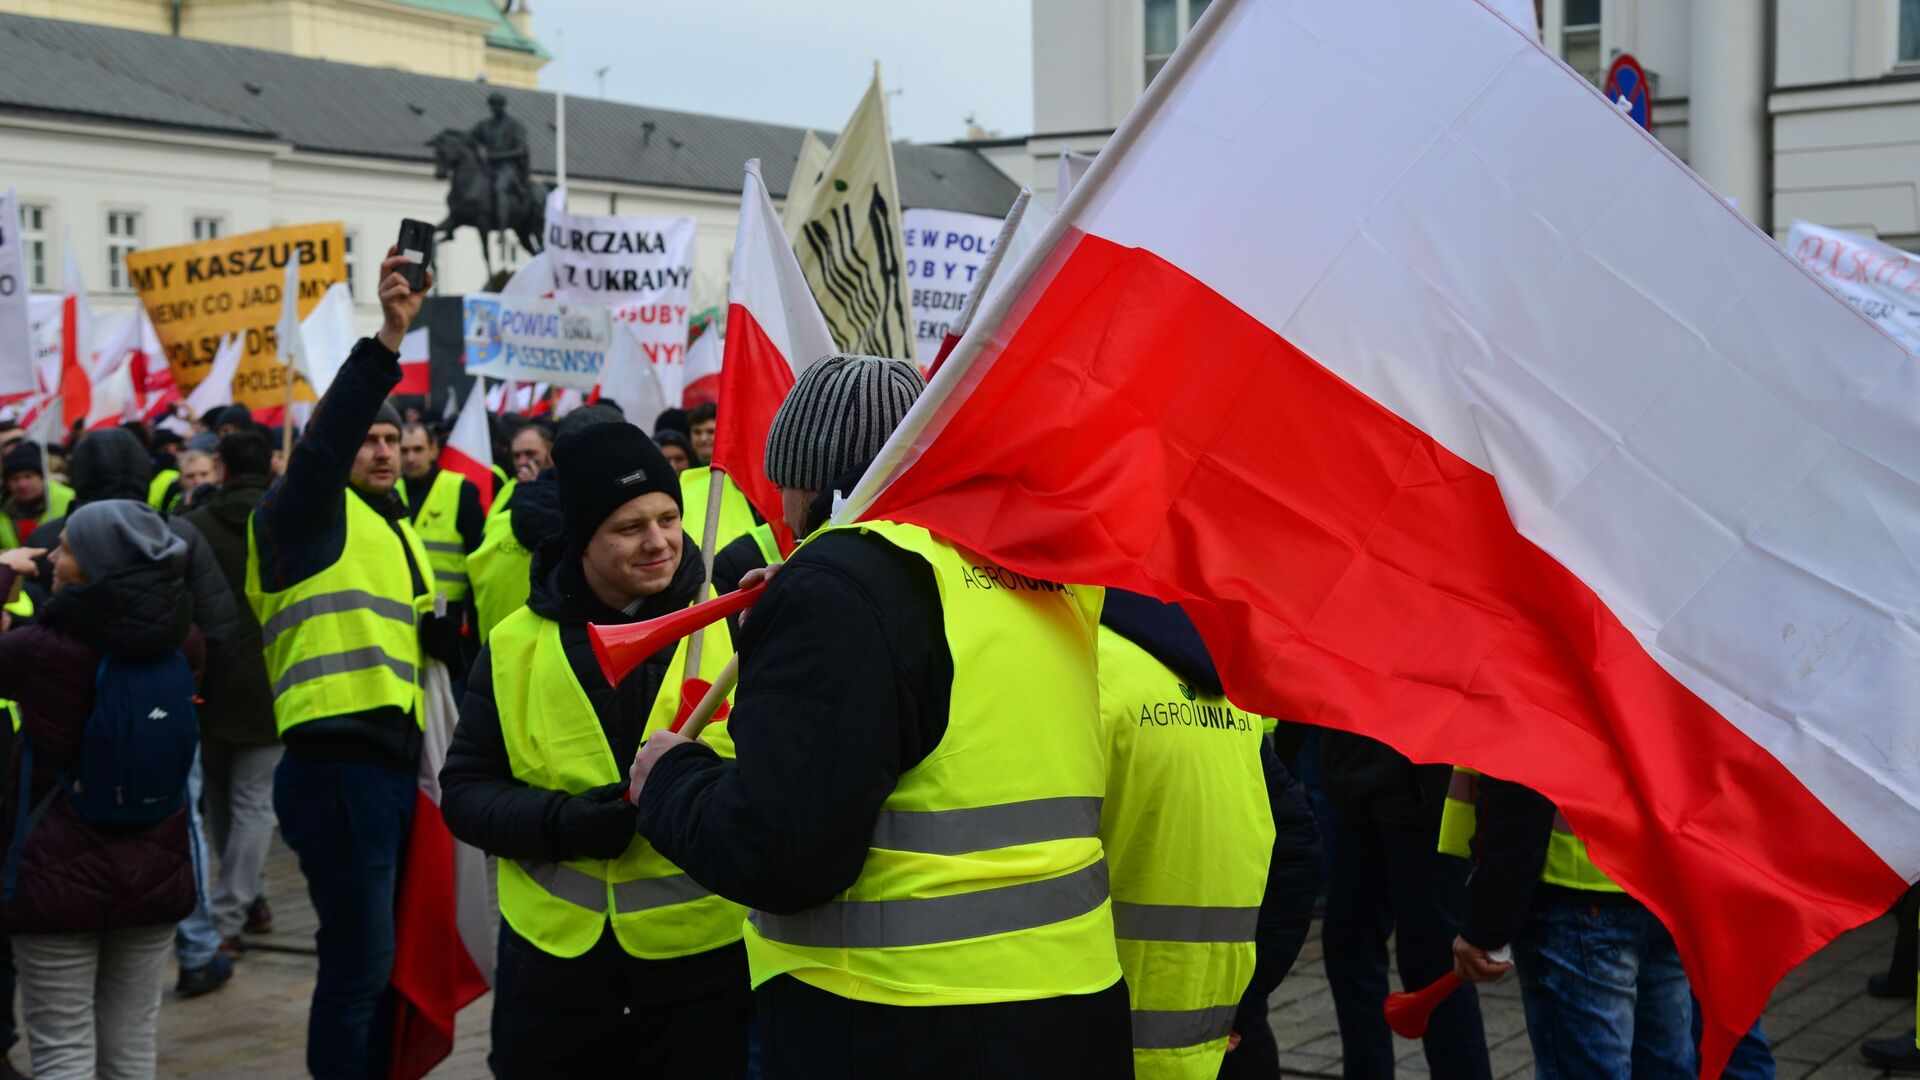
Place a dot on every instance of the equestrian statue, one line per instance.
(490, 189)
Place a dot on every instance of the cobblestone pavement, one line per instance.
(255, 1027)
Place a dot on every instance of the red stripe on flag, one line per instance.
(453, 460)
(433, 973)
(1346, 570)
(415, 378)
(76, 389)
(754, 380)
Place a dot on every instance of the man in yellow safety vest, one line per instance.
(914, 811)
(612, 961)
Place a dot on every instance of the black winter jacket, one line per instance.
(487, 807)
(239, 705)
(76, 876)
(111, 464)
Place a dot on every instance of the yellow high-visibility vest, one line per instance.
(345, 640)
(554, 741)
(764, 540)
(159, 490)
(438, 525)
(59, 500)
(498, 569)
(20, 607)
(985, 880)
(1188, 832)
(736, 514)
(1567, 863)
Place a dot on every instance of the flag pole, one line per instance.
(286, 421)
(710, 535)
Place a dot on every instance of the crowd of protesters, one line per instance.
(955, 823)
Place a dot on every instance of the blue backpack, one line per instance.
(135, 754)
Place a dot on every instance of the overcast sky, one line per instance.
(803, 62)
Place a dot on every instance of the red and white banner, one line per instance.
(469, 448)
(443, 945)
(774, 332)
(1456, 411)
(639, 267)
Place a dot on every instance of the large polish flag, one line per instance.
(1458, 412)
(469, 448)
(774, 332)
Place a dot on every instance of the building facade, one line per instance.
(107, 159)
(1794, 108)
(455, 39)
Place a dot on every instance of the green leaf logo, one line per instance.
(839, 185)
(1187, 692)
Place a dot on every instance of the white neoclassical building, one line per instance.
(1796, 108)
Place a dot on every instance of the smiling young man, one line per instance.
(613, 963)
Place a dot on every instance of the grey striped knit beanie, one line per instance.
(837, 416)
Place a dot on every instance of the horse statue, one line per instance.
(475, 200)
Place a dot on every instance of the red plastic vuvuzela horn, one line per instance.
(621, 648)
(1408, 1013)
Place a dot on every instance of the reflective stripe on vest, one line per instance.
(985, 880)
(438, 524)
(498, 570)
(1567, 863)
(736, 514)
(345, 640)
(554, 741)
(1188, 831)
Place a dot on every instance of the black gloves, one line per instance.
(440, 636)
(595, 824)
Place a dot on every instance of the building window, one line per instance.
(1580, 38)
(209, 227)
(123, 239)
(1909, 30)
(1165, 23)
(33, 241)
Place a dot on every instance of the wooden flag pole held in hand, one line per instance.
(723, 685)
(709, 536)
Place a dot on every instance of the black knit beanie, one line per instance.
(838, 415)
(25, 457)
(601, 468)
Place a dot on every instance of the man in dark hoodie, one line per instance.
(342, 588)
(239, 746)
(647, 978)
(1212, 851)
(922, 908)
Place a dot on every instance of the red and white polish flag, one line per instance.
(469, 447)
(774, 332)
(1458, 412)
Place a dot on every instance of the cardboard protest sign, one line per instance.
(198, 293)
(945, 251)
(528, 339)
(640, 267)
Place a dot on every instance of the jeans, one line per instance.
(1389, 880)
(1603, 992)
(239, 826)
(92, 1001)
(348, 822)
(196, 940)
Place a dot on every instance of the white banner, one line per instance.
(641, 267)
(1882, 281)
(945, 251)
(528, 339)
(16, 325)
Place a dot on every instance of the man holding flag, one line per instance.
(915, 806)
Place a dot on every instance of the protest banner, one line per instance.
(640, 267)
(529, 339)
(945, 251)
(16, 325)
(1882, 281)
(198, 293)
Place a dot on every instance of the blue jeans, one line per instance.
(1604, 992)
(195, 940)
(1389, 880)
(348, 823)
